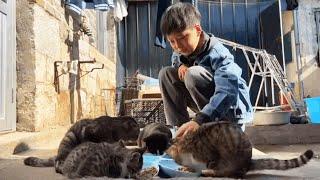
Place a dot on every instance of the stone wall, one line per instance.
(47, 33)
(25, 66)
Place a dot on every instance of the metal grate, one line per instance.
(145, 111)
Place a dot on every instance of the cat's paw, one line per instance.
(186, 169)
(208, 173)
(57, 166)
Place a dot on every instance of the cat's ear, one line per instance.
(121, 143)
(135, 157)
(130, 123)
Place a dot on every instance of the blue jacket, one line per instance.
(231, 92)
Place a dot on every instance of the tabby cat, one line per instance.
(155, 137)
(97, 159)
(101, 129)
(222, 149)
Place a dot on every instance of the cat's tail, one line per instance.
(38, 162)
(260, 164)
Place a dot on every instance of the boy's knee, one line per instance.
(190, 78)
(165, 71)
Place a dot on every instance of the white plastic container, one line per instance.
(271, 117)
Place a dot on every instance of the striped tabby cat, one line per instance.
(101, 129)
(221, 149)
(97, 159)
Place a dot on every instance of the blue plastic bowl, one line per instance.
(313, 109)
(171, 168)
(150, 160)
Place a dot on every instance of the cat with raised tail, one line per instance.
(222, 149)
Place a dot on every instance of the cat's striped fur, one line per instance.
(222, 149)
(97, 159)
(101, 129)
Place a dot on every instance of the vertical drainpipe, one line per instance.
(138, 41)
(297, 48)
(281, 33)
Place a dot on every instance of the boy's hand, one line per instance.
(186, 127)
(182, 71)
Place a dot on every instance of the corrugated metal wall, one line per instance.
(235, 20)
(137, 34)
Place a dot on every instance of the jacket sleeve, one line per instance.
(226, 75)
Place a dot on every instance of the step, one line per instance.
(284, 134)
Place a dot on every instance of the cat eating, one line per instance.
(222, 149)
(97, 159)
(101, 129)
(155, 137)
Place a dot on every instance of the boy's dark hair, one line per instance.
(179, 17)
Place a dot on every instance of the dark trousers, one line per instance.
(194, 92)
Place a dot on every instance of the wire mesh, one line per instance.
(145, 111)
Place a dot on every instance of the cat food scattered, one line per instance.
(148, 173)
(186, 169)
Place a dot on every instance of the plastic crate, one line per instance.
(313, 109)
(145, 111)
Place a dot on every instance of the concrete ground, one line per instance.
(12, 167)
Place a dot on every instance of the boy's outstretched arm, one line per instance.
(226, 77)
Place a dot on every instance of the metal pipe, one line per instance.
(281, 33)
(259, 92)
(297, 45)
(138, 38)
(247, 59)
(149, 36)
(239, 46)
(221, 19)
(265, 81)
(209, 17)
(253, 73)
(272, 91)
